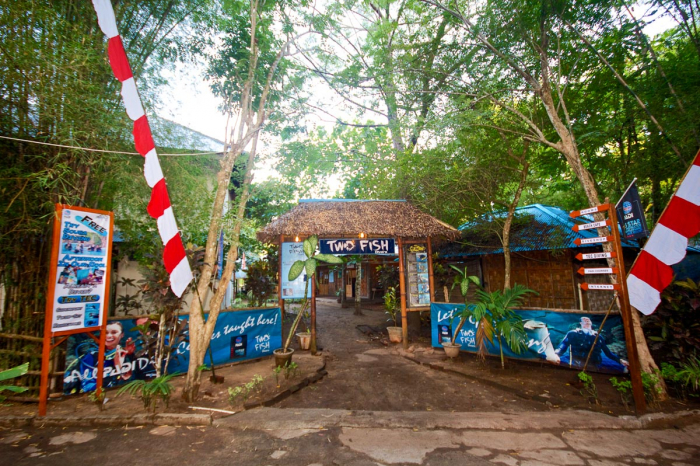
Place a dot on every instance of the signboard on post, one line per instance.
(78, 288)
(357, 246)
(617, 256)
(417, 276)
(292, 252)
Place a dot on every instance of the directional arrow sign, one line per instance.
(591, 210)
(598, 270)
(599, 239)
(588, 226)
(595, 255)
(599, 286)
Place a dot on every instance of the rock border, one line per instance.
(321, 372)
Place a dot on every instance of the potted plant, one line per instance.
(494, 315)
(391, 306)
(283, 355)
(463, 280)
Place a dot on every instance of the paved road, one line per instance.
(335, 437)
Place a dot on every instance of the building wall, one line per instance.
(550, 275)
(130, 270)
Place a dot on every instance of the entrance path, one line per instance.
(365, 375)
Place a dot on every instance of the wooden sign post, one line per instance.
(77, 300)
(621, 286)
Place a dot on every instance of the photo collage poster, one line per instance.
(292, 252)
(82, 268)
(417, 276)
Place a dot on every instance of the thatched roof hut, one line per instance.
(344, 217)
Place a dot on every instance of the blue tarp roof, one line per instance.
(535, 227)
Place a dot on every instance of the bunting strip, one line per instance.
(159, 207)
(667, 245)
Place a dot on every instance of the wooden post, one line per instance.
(633, 356)
(402, 288)
(280, 300)
(430, 271)
(313, 315)
(48, 314)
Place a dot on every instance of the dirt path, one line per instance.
(365, 375)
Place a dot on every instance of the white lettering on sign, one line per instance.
(597, 255)
(590, 210)
(588, 226)
(376, 246)
(593, 286)
(599, 239)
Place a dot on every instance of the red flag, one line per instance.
(652, 272)
(159, 207)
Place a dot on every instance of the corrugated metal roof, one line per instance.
(535, 227)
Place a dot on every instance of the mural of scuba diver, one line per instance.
(562, 338)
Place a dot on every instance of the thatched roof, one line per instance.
(342, 217)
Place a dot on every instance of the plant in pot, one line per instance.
(283, 356)
(494, 314)
(391, 306)
(463, 280)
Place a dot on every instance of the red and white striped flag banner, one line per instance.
(159, 207)
(667, 245)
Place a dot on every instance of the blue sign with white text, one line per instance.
(357, 246)
(562, 338)
(238, 336)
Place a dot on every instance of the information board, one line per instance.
(417, 277)
(82, 270)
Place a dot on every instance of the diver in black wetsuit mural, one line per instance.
(574, 348)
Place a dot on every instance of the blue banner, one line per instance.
(561, 338)
(238, 336)
(357, 246)
(630, 214)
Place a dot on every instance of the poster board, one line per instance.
(292, 252)
(417, 276)
(77, 298)
(80, 292)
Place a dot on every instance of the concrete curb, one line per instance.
(291, 419)
(108, 420)
(170, 419)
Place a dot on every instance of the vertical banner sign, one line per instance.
(220, 257)
(292, 252)
(417, 277)
(630, 214)
(79, 290)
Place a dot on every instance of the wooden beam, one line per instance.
(430, 271)
(313, 314)
(402, 288)
(626, 310)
